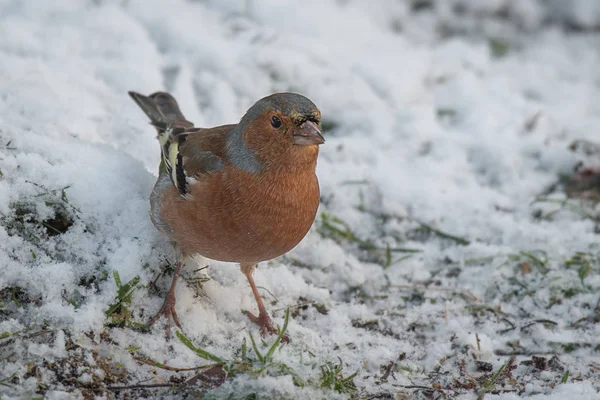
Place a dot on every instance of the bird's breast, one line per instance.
(242, 217)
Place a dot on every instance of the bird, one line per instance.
(242, 193)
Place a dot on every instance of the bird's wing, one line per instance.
(182, 165)
(196, 153)
(187, 151)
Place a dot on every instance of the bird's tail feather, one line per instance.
(162, 109)
(172, 127)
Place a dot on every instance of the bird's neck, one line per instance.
(296, 159)
(239, 154)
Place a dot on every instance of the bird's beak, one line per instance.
(307, 134)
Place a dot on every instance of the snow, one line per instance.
(432, 123)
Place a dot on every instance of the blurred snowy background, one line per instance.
(456, 252)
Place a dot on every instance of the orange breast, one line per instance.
(241, 217)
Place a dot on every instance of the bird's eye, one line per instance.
(275, 122)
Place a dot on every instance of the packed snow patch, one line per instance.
(455, 253)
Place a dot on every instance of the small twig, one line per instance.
(513, 353)
(539, 321)
(268, 291)
(3, 381)
(478, 342)
(512, 326)
(39, 333)
(427, 388)
(156, 364)
(388, 371)
(211, 377)
(11, 338)
(436, 288)
(295, 306)
(580, 320)
(46, 225)
(153, 283)
(136, 387)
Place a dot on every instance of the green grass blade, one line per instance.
(489, 385)
(202, 353)
(255, 347)
(117, 278)
(564, 378)
(280, 335)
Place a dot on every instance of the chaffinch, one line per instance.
(241, 193)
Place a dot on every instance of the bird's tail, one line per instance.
(172, 129)
(162, 109)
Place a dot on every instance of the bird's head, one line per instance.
(282, 130)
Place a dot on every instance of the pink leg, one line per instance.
(168, 307)
(263, 320)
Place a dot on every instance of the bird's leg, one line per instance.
(263, 320)
(168, 307)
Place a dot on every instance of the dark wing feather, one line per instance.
(180, 159)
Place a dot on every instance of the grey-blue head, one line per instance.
(272, 127)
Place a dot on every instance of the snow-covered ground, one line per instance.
(451, 128)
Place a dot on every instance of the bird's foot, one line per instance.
(168, 311)
(266, 325)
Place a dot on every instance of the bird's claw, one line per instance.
(266, 325)
(168, 311)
